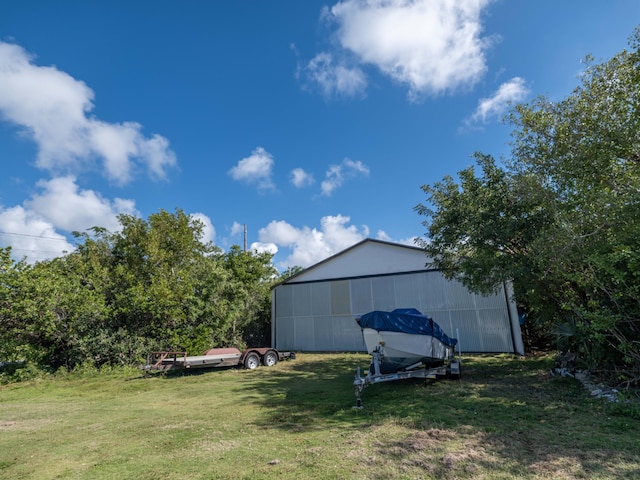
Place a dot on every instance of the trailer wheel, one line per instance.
(270, 358)
(252, 361)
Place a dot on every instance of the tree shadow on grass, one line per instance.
(506, 413)
(310, 392)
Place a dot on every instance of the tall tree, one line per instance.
(562, 219)
(152, 285)
(252, 275)
(12, 346)
(56, 319)
(159, 276)
(481, 230)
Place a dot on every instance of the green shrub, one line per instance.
(12, 372)
(625, 407)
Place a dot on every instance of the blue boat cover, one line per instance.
(406, 320)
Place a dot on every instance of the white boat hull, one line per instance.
(400, 350)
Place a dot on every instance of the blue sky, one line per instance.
(312, 123)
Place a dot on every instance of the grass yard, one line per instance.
(505, 419)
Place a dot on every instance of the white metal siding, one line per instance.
(320, 316)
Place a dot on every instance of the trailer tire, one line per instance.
(251, 361)
(270, 358)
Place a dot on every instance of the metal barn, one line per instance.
(315, 310)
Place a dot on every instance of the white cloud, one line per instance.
(513, 91)
(31, 235)
(237, 228)
(300, 178)
(69, 208)
(62, 205)
(337, 174)
(382, 235)
(53, 109)
(431, 46)
(260, 247)
(310, 245)
(255, 169)
(280, 233)
(157, 155)
(334, 78)
(208, 230)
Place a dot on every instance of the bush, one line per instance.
(12, 372)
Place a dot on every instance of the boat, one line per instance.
(405, 338)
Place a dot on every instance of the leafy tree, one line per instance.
(561, 219)
(166, 282)
(481, 231)
(153, 285)
(252, 274)
(12, 348)
(53, 314)
(290, 272)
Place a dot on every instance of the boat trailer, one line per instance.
(451, 370)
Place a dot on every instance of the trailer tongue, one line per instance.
(250, 358)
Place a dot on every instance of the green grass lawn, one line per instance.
(505, 419)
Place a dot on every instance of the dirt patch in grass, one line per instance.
(434, 453)
(23, 425)
(209, 446)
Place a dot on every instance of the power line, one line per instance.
(57, 252)
(31, 250)
(33, 236)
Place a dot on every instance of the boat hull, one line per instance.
(400, 350)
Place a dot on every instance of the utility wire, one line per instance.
(33, 236)
(58, 252)
(33, 251)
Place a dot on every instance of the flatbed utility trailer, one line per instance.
(450, 369)
(250, 358)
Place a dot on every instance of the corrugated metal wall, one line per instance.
(320, 316)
